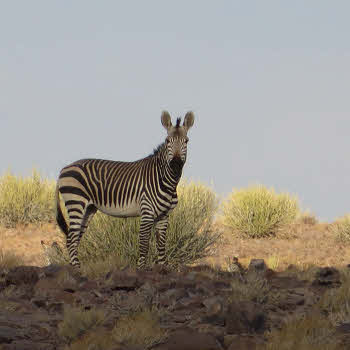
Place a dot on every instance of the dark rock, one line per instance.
(257, 265)
(244, 317)
(28, 345)
(125, 280)
(189, 340)
(344, 328)
(327, 276)
(39, 302)
(215, 319)
(23, 275)
(9, 334)
(52, 270)
(214, 305)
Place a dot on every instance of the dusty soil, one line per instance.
(309, 245)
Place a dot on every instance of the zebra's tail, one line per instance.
(61, 221)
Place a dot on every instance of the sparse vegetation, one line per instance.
(310, 332)
(25, 200)
(189, 235)
(258, 212)
(253, 288)
(78, 322)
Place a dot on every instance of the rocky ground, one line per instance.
(196, 308)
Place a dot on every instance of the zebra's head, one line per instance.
(176, 141)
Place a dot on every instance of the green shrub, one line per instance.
(341, 229)
(189, 235)
(258, 211)
(25, 200)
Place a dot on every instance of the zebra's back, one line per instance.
(113, 187)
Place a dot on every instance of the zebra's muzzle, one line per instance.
(176, 164)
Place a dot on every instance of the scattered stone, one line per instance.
(124, 280)
(9, 334)
(257, 265)
(244, 317)
(214, 305)
(327, 276)
(23, 275)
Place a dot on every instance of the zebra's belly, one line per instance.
(131, 210)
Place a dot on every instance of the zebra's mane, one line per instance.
(156, 150)
(178, 121)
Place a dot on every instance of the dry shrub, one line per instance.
(310, 332)
(25, 200)
(258, 212)
(341, 229)
(8, 260)
(139, 328)
(77, 322)
(189, 235)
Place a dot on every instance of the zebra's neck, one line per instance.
(169, 176)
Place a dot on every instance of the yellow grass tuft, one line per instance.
(341, 229)
(258, 211)
(25, 200)
(139, 328)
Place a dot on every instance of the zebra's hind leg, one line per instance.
(145, 233)
(78, 221)
(89, 213)
(161, 227)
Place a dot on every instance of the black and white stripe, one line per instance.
(145, 188)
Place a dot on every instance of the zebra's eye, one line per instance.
(186, 140)
(167, 141)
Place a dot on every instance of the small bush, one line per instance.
(259, 212)
(140, 328)
(189, 235)
(25, 200)
(341, 229)
(77, 322)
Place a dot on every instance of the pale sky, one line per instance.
(268, 82)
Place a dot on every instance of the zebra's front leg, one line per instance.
(145, 234)
(161, 227)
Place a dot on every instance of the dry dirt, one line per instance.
(309, 245)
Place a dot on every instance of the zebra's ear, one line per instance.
(189, 120)
(166, 120)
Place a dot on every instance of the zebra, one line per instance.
(145, 188)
